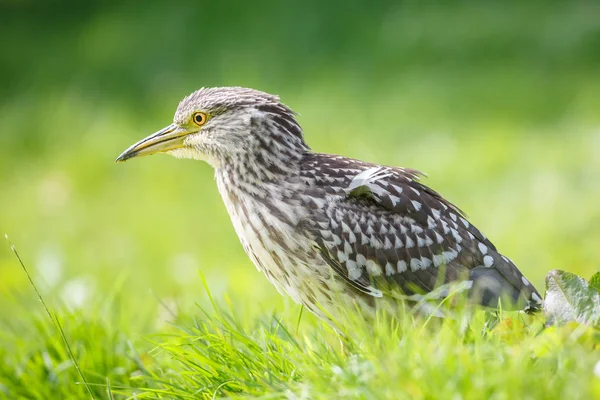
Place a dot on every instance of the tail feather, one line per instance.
(503, 280)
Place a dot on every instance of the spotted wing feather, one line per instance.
(381, 229)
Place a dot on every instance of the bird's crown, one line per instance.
(216, 100)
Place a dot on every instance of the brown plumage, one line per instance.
(327, 230)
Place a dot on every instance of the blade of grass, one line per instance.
(53, 318)
(299, 318)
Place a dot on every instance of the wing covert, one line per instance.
(381, 229)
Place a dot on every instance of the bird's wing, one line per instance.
(380, 228)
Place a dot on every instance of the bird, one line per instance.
(335, 234)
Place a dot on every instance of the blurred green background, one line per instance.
(497, 101)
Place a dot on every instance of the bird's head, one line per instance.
(226, 125)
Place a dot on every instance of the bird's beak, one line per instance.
(169, 138)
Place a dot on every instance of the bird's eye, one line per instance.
(199, 118)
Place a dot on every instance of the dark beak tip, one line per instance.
(141, 148)
(122, 158)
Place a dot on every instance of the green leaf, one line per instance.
(595, 281)
(570, 298)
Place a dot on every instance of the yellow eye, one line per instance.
(199, 118)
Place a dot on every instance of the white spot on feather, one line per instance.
(482, 248)
(354, 271)
(398, 243)
(351, 237)
(488, 261)
(416, 204)
(336, 239)
(387, 244)
(318, 202)
(398, 189)
(375, 242)
(342, 257)
(347, 248)
(457, 237)
(425, 262)
(445, 227)
(401, 265)
(323, 224)
(373, 268)
(389, 269)
(416, 228)
(439, 238)
(361, 260)
(364, 239)
(415, 264)
(450, 255)
(431, 222)
(428, 241)
(345, 227)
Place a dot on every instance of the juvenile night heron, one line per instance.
(330, 231)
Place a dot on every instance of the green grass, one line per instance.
(497, 102)
(225, 351)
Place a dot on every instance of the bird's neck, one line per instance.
(267, 169)
(254, 175)
(262, 188)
